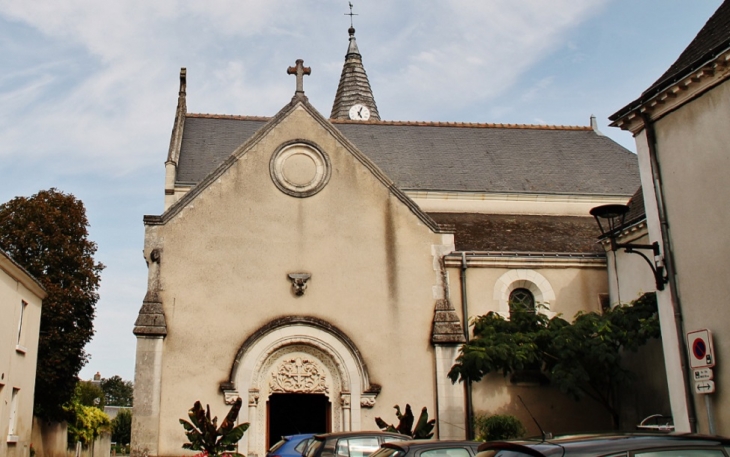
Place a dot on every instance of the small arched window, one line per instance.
(521, 299)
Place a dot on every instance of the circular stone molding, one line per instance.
(299, 168)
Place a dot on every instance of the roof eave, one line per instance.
(667, 95)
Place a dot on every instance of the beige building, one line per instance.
(20, 307)
(680, 125)
(321, 269)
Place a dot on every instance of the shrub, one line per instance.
(498, 427)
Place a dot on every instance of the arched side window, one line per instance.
(521, 299)
(515, 284)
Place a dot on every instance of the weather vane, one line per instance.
(351, 14)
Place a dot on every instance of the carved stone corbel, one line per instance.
(230, 396)
(345, 399)
(367, 400)
(299, 282)
(253, 397)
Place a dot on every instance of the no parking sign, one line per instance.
(701, 352)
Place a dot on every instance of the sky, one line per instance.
(88, 90)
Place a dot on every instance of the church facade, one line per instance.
(324, 270)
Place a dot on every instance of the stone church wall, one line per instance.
(225, 257)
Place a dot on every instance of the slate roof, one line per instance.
(420, 156)
(525, 233)
(636, 208)
(712, 40)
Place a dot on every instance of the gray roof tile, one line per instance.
(522, 233)
(437, 157)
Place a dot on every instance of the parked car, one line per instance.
(614, 445)
(291, 446)
(428, 448)
(350, 444)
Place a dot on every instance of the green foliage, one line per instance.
(89, 394)
(122, 427)
(47, 234)
(205, 435)
(85, 422)
(422, 431)
(498, 427)
(117, 391)
(582, 358)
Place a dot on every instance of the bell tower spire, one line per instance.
(354, 98)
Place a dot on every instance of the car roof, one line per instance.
(298, 435)
(323, 436)
(432, 444)
(576, 445)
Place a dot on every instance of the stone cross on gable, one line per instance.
(300, 70)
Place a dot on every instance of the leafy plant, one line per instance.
(87, 424)
(498, 427)
(122, 427)
(85, 420)
(205, 435)
(582, 358)
(424, 427)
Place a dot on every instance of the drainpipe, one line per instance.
(467, 384)
(669, 265)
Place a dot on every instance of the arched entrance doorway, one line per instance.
(291, 414)
(287, 360)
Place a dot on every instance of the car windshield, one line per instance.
(302, 446)
(387, 452)
(359, 446)
(503, 453)
(314, 448)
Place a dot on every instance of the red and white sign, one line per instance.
(701, 352)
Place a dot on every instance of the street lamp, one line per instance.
(614, 217)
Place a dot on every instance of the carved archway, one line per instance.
(298, 354)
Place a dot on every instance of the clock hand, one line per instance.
(359, 112)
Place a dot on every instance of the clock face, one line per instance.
(359, 112)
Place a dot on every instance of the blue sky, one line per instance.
(88, 89)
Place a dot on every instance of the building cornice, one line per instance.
(674, 95)
(628, 234)
(476, 259)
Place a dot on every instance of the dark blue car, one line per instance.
(291, 446)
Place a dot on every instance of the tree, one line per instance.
(85, 414)
(582, 358)
(47, 234)
(117, 391)
(89, 394)
(122, 427)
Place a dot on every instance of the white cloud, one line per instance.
(87, 100)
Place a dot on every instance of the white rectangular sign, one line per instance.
(705, 387)
(702, 374)
(699, 345)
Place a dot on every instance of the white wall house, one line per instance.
(20, 316)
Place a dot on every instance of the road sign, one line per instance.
(705, 387)
(701, 353)
(702, 374)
